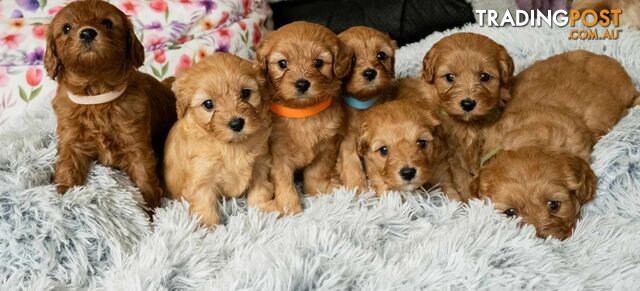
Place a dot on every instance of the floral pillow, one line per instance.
(175, 34)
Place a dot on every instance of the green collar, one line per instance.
(490, 155)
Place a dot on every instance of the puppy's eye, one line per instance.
(421, 143)
(245, 94)
(207, 104)
(511, 212)
(353, 59)
(450, 78)
(283, 64)
(384, 151)
(554, 206)
(107, 23)
(484, 77)
(318, 63)
(381, 56)
(66, 28)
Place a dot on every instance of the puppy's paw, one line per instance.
(270, 206)
(62, 188)
(291, 209)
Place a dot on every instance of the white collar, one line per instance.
(96, 99)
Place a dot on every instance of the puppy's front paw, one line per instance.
(291, 209)
(62, 188)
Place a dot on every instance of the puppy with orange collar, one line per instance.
(219, 145)
(305, 64)
(371, 82)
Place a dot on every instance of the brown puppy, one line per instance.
(537, 165)
(105, 108)
(396, 144)
(305, 64)
(471, 74)
(371, 82)
(219, 145)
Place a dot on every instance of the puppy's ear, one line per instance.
(262, 52)
(342, 60)
(429, 66)
(183, 93)
(580, 179)
(51, 61)
(506, 67)
(134, 47)
(363, 140)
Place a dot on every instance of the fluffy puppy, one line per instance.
(106, 110)
(219, 145)
(471, 74)
(371, 82)
(537, 162)
(305, 64)
(395, 144)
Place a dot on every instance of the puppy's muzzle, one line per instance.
(369, 74)
(302, 85)
(408, 173)
(236, 124)
(87, 35)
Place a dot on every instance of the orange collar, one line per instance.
(289, 112)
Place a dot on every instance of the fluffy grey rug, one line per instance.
(97, 237)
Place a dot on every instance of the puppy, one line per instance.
(106, 110)
(219, 145)
(471, 74)
(305, 64)
(537, 161)
(396, 144)
(371, 82)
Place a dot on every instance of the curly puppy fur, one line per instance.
(372, 77)
(547, 134)
(304, 52)
(471, 74)
(119, 133)
(219, 147)
(396, 144)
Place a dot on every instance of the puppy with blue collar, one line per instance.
(371, 82)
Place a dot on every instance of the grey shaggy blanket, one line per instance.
(97, 236)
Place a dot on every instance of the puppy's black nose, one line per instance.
(407, 173)
(302, 85)
(369, 74)
(236, 124)
(88, 34)
(467, 104)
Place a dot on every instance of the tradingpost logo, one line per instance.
(587, 24)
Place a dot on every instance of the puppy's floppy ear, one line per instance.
(51, 61)
(135, 50)
(183, 93)
(341, 60)
(506, 67)
(429, 65)
(263, 50)
(363, 140)
(580, 179)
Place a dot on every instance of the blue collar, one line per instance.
(359, 104)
